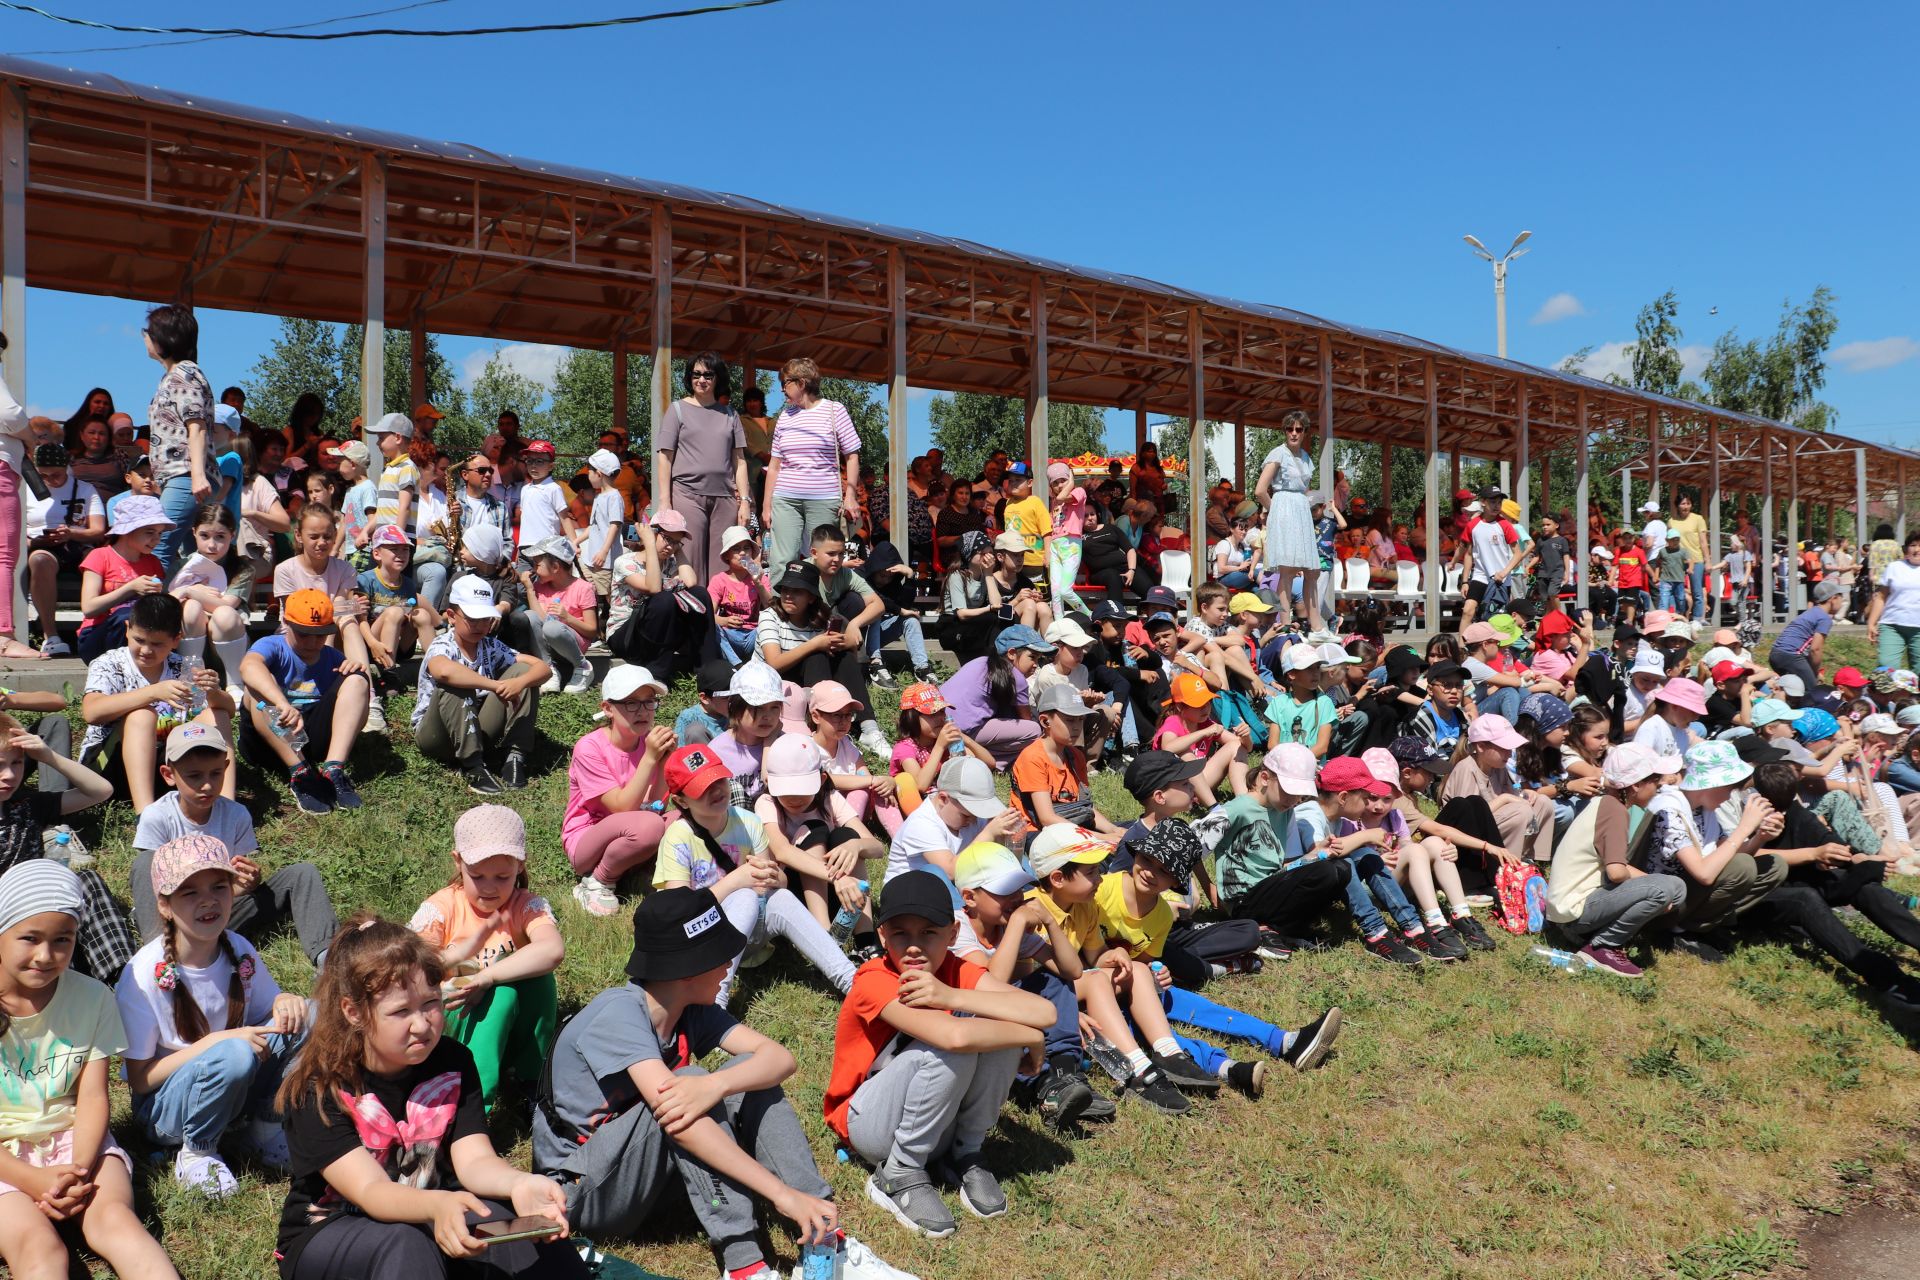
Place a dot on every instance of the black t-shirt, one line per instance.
(446, 1092)
(1553, 555)
(1720, 711)
(895, 590)
(22, 819)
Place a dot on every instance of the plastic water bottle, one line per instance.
(196, 696)
(295, 738)
(1565, 960)
(64, 847)
(1157, 968)
(819, 1261)
(845, 919)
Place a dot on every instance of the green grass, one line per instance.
(1494, 1119)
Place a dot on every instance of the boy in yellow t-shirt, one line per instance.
(1136, 915)
(1027, 515)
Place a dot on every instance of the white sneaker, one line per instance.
(376, 718)
(206, 1172)
(857, 1262)
(268, 1143)
(55, 647)
(552, 684)
(581, 680)
(595, 898)
(875, 743)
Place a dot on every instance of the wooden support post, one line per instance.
(1900, 504)
(1627, 513)
(1653, 455)
(1433, 499)
(1139, 428)
(662, 323)
(1240, 456)
(373, 350)
(1038, 443)
(1763, 554)
(1860, 531)
(1713, 519)
(1583, 545)
(1794, 597)
(620, 388)
(1522, 492)
(897, 400)
(417, 361)
(1326, 420)
(1197, 459)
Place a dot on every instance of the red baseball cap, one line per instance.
(1350, 773)
(538, 446)
(1728, 669)
(691, 770)
(1850, 677)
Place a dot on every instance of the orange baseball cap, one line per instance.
(1190, 690)
(427, 411)
(922, 697)
(309, 612)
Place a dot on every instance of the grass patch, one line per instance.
(1488, 1119)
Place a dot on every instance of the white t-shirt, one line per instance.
(72, 504)
(609, 511)
(1654, 537)
(541, 506)
(1902, 582)
(1491, 550)
(428, 510)
(1656, 733)
(924, 829)
(147, 1011)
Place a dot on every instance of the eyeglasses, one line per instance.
(1295, 430)
(638, 706)
(698, 374)
(792, 382)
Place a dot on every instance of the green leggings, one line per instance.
(512, 1026)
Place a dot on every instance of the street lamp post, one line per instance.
(1500, 313)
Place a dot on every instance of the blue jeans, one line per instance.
(883, 630)
(1666, 595)
(225, 1083)
(1372, 882)
(1501, 700)
(431, 579)
(738, 646)
(1064, 1035)
(1697, 582)
(176, 500)
(1236, 581)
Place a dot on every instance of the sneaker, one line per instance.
(55, 647)
(1248, 962)
(1388, 946)
(1099, 1111)
(875, 743)
(344, 795)
(205, 1172)
(513, 770)
(267, 1142)
(979, 1190)
(1688, 945)
(376, 718)
(1311, 1042)
(1154, 1089)
(878, 676)
(1062, 1098)
(480, 779)
(311, 790)
(857, 1262)
(1185, 1072)
(552, 683)
(908, 1195)
(1443, 943)
(595, 898)
(1473, 933)
(1610, 960)
(1249, 1078)
(581, 680)
(1273, 946)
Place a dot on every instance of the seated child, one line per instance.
(625, 1102)
(1304, 713)
(1261, 877)
(1441, 720)
(829, 716)
(926, 738)
(1430, 863)
(711, 840)
(1525, 817)
(812, 830)
(371, 1198)
(136, 695)
(304, 687)
(197, 758)
(1050, 782)
(121, 571)
(60, 1031)
(740, 591)
(915, 1089)
(500, 945)
(209, 1032)
(617, 789)
(1344, 789)
(562, 615)
(397, 618)
(706, 719)
(208, 608)
(1191, 730)
(754, 700)
(1726, 872)
(1667, 729)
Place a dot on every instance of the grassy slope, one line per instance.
(1490, 1119)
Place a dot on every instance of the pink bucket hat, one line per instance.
(490, 831)
(178, 861)
(669, 521)
(1683, 693)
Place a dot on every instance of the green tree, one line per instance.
(499, 388)
(1781, 378)
(869, 414)
(968, 427)
(1656, 349)
(305, 356)
(583, 400)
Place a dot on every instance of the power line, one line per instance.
(172, 44)
(584, 25)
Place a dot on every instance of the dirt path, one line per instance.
(1871, 1242)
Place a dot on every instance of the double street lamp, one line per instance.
(1500, 281)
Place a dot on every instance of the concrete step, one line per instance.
(50, 675)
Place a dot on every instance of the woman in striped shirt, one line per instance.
(814, 473)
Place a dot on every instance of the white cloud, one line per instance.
(538, 361)
(1693, 360)
(920, 393)
(1615, 359)
(1561, 306)
(1880, 353)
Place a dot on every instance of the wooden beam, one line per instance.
(662, 321)
(1433, 499)
(1522, 492)
(373, 314)
(897, 403)
(1197, 460)
(1583, 543)
(1326, 417)
(1037, 436)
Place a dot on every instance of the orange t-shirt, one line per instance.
(1034, 770)
(860, 1033)
(448, 916)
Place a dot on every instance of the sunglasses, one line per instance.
(480, 471)
(702, 373)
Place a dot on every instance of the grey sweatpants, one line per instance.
(784, 916)
(1617, 912)
(554, 642)
(1739, 887)
(613, 1178)
(294, 893)
(452, 730)
(926, 1102)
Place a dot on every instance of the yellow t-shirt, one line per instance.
(1080, 922)
(41, 1057)
(1030, 519)
(1144, 937)
(1693, 536)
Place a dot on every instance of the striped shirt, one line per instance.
(396, 477)
(810, 444)
(774, 628)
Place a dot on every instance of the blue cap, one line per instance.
(1020, 469)
(1815, 725)
(1021, 637)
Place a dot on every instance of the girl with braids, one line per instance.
(57, 1032)
(209, 1032)
(392, 1163)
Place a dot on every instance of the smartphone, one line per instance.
(528, 1228)
(836, 625)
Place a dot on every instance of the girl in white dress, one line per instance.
(1285, 478)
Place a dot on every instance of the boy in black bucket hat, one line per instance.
(623, 1101)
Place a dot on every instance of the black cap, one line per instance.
(1415, 753)
(53, 454)
(801, 575)
(1756, 750)
(1175, 847)
(1152, 770)
(678, 933)
(1108, 611)
(916, 893)
(1161, 598)
(715, 676)
(1626, 631)
(1446, 671)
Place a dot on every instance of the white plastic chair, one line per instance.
(1176, 571)
(1408, 594)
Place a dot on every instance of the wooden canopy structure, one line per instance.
(162, 196)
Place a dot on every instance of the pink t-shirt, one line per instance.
(576, 598)
(1070, 517)
(774, 814)
(289, 576)
(907, 757)
(116, 571)
(597, 768)
(735, 601)
(1552, 664)
(1174, 727)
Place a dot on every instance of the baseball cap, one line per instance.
(1908, 717)
(485, 543)
(178, 861)
(992, 867)
(1768, 710)
(969, 784)
(626, 680)
(1445, 672)
(227, 416)
(680, 932)
(1021, 636)
(394, 424)
(427, 411)
(1350, 773)
(309, 612)
(490, 831)
(1792, 686)
(1728, 669)
(389, 535)
(714, 676)
(1603, 553)
(1247, 602)
(1673, 535)
(1416, 753)
(667, 520)
(1727, 637)
(758, 683)
(1152, 771)
(1650, 505)
(1478, 633)
(1299, 657)
(791, 766)
(1473, 507)
(1878, 722)
(1010, 542)
(1061, 844)
(1756, 750)
(472, 596)
(1293, 764)
(922, 697)
(1496, 730)
(1067, 631)
(1825, 590)
(356, 451)
(1065, 700)
(604, 461)
(1334, 654)
(1850, 678)
(1401, 659)
(1632, 762)
(693, 769)
(1382, 765)
(916, 893)
(559, 547)
(1189, 690)
(537, 449)
(195, 735)
(734, 535)
(1159, 597)
(1463, 495)
(1108, 611)
(1173, 845)
(1020, 469)
(830, 695)
(1158, 622)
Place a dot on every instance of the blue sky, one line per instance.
(1322, 157)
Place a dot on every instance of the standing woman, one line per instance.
(1893, 616)
(1285, 478)
(700, 467)
(179, 421)
(1148, 478)
(813, 477)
